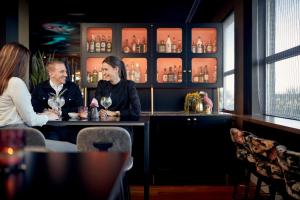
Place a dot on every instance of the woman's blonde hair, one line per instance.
(14, 61)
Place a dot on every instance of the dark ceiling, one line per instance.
(62, 18)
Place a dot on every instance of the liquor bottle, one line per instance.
(209, 47)
(145, 76)
(100, 75)
(92, 44)
(132, 75)
(196, 77)
(206, 74)
(179, 46)
(127, 71)
(108, 45)
(103, 44)
(175, 74)
(138, 46)
(201, 75)
(87, 45)
(97, 44)
(179, 74)
(95, 75)
(170, 75)
(137, 75)
(162, 47)
(199, 45)
(133, 44)
(174, 46)
(165, 76)
(144, 45)
(214, 46)
(193, 47)
(126, 48)
(168, 45)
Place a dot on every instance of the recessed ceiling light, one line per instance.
(76, 14)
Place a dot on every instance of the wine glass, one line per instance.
(56, 103)
(106, 101)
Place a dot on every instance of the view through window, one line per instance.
(283, 58)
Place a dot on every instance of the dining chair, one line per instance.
(289, 162)
(34, 138)
(115, 139)
(245, 160)
(267, 167)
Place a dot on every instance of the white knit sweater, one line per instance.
(16, 107)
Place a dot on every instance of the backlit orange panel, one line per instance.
(207, 35)
(168, 65)
(99, 31)
(92, 63)
(200, 63)
(136, 69)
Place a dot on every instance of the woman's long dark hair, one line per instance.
(14, 61)
(116, 62)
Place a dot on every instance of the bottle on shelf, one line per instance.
(87, 45)
(214, 46)
(179, 46)
(170, 75)
(97, 44)
(108, 45)
(201, 75)
(144, 44)
(196, 77)
(103, 44)
(126, 48)
(175, 74)
(179, 74)
(133, 44)
(138, 46)
(199, 43)
(174, 46)
(206, 76)
(92, 44)
(95, 75)
(209, 47)
(194, 47)
(132, 75)
(137, 76)
(162, 47)
(168, 45)
(165, 76)
(100, 75)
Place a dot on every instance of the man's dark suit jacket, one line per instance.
(73, 97)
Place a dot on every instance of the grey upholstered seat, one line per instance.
(105, 139)
(34, 138)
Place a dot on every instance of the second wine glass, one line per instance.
(105, 101)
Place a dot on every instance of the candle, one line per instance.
(12, 143)
(85, 96)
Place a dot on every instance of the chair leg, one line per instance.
(257, 189)
(248, 175)
(272, 192)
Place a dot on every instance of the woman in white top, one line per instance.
(15, 99)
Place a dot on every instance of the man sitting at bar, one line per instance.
(59, 86)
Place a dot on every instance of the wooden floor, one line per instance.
(184, 192)
(193, 193)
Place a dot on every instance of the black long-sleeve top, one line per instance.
(124, 97)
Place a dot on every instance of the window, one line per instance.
(283, 58)
(227, 92)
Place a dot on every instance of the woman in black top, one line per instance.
(125, 99)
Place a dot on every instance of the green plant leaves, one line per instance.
(38, 68)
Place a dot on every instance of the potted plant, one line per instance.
(38, 68)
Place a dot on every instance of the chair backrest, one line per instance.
(264, 152)
(289, 162)
(240, 139)
(105, 139)
(33, 137)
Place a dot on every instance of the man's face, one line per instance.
(58, 74)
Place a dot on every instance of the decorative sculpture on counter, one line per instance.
(198, 102)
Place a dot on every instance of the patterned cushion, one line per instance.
(289, 162)
(264, 152)
(240, 138)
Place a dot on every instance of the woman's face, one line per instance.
(109, 73)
